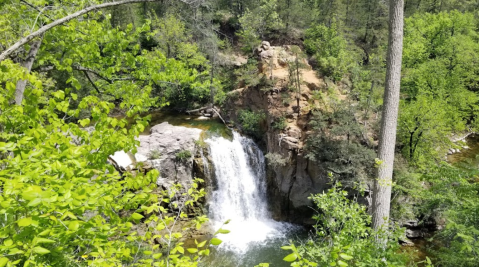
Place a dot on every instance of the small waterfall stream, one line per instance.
(239, 167)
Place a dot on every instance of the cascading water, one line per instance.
(239, 168)
(205, 164)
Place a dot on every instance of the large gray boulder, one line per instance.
(170, 149)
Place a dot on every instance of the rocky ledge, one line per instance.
(169, 149)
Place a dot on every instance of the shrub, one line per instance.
(343, 236)
(276, 160)
(154, 154)
(183, 155)
(280, 123)
(251, 122)
(336, 142)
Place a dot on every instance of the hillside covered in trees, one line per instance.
(310, 81)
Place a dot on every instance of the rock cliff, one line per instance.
(289, 184)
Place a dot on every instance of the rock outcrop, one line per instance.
(291, 184)
(169, 149)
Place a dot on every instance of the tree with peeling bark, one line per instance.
(387, 139)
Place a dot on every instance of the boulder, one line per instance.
(161, 147)
(414, 233)
(266, 54)
(264, 51)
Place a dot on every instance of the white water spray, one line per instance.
(239, 167)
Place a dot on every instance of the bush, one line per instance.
(336, 142)
(276, 160)
(280, 123)
(452, 197)
(62, 204)
(251, 122)
(343, 237)
(154, 154)
(183, 155)
(248, 74)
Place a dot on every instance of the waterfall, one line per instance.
(239, 168)
(206, 166)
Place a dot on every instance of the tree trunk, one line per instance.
(298, 84)
(387, 139)
(27, 64)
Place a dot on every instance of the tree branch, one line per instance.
(85, 70)
(92, 83)
(49, 26)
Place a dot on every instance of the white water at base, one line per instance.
(239, 168)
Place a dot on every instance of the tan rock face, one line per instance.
(290, 185)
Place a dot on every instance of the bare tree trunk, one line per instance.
(298, 84)
(27, 64)
(387, 139)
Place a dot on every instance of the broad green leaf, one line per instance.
(73, 226)
(44, 240)
(345, 256)
(342, 263)
(34, 202)
(24, 222)
(291, 257)
(3, 262)
(223, 231)
(40, 250)
(84, 122)
(181, 250)
(29, 195)
(136, 216)
(192, 250)
(215, 241)
(202, 244)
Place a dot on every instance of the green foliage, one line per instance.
(257, 22)
(183, 155)
(280, 123)
(452, 197)
(62, 204)
(343, 237)
(170, 33)
(425, 126)
(406, 191)
(248, 74)
(154, 154)
(329, 50)
(251, 122)
(276, 160)
(336, 142)
(439, 81)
